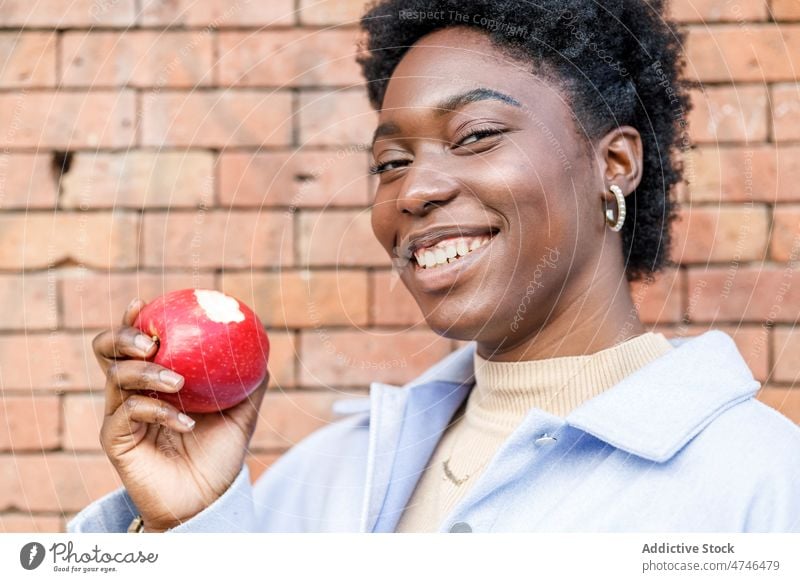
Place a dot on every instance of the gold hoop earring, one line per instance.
(616, 225)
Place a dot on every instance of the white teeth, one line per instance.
(430, 259)
(448, 251)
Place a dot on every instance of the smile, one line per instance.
(448, 262)
(448, 250)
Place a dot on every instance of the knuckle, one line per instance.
(96, 341)
(113, 373)
(162, 412)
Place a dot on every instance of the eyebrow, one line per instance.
(450, 104)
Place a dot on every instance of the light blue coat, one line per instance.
(679, 445)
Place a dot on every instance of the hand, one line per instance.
(172, 466)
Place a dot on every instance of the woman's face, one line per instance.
(483, 160)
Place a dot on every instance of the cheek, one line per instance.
(380, 217)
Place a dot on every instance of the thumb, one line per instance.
(245, 414)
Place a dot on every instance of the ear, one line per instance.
(619, 159)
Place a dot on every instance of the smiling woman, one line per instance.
(526, 156)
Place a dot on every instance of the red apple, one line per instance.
(213, 340)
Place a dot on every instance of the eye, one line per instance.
(385, 166)
(477, 135)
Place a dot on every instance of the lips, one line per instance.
(444, 275)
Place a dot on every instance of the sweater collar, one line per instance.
(505, 391)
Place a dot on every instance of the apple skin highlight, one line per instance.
(213, 340)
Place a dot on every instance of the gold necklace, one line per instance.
(449, 475)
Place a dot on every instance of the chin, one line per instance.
(460, 324)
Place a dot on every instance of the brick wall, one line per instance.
(149, 145)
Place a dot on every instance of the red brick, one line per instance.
(29, 59)
(258, 463)
(758, 53)
(333, 118)
(216, 118)
(83, 417)
(29, 423)
(785, 243)
(784, 400)
(392, 304)
(752, 342)
(216, 13)
(740, 174)
(785, 9)
(342, 238)
(356, 358)
(717, 10)
(56, 482)
(657, 299)
(207, 239)
(139, 179)
(75, 13)
(736, 293)
(24, 523)
(288, 417)
(719, 233)
(140, 58)
(297, 178)
(786, 112)
(27, 181)
(282, 357)
(54, 361)
(98, 300)
(722, 114)
(297, 58)
(292, 299)
(28, 302)
(66, 120)
(326, 12)
(786, 355)
(93, 239)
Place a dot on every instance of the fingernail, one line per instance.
(143, 342)
(131, 304)
(171, 378)
(185, 420)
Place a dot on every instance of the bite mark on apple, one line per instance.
(219, 307)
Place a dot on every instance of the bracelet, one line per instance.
(137, 525)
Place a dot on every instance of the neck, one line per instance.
(583, 322)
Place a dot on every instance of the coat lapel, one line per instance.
(405, 426)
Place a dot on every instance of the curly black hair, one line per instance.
(617, 61)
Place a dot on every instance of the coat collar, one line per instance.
(651, 413)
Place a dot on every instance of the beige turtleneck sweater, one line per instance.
(503, 394)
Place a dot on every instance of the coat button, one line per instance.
(460, 527)
(545, 439)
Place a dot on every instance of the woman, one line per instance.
(526, 153)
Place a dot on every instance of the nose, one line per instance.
(425, 188)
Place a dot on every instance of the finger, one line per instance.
(124, 428)
(122, 342)
(132, 311)
(125, 376)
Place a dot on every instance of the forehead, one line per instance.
(458, 59)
